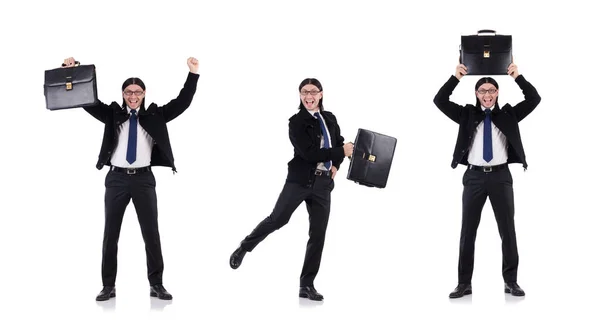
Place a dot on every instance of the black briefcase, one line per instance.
(70, 87)
(372, 158)
(489, 54)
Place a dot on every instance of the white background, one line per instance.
(391, 254)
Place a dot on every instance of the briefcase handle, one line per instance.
(486, 31)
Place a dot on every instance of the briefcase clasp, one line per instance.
(371, 158)
(69, 84)
(486, 53)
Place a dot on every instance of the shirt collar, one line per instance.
(136, 110)
(312, 113)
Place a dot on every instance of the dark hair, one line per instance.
(480, 83)
(136, 81)
(315, 83)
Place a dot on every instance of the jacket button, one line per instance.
(462, 151)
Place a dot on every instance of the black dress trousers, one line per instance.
(317, 197)
(120, 189)
(479, 185)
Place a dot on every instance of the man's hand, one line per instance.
(193, 64)
(461, 70)
(513, 71)
(348, 149)
(69, 62)
(333, 172)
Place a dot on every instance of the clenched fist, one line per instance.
(461, 70)
(69, 62)
(513, 71)
(348, 149)
(193, 64)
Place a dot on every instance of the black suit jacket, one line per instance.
(153, 120)
(305, 135)
(506, 119)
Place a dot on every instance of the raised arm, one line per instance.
(532, 98)
(442, 98)
(176, 106)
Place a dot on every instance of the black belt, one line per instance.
(486, 169)
(322, 173)
(130, 171)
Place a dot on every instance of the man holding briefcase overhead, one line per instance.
(136, 138)
(319, 150)
(488, 140)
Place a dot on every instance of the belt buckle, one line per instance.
(131, 171)
(487, 169)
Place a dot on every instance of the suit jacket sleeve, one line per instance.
(442, 100)
(339, 143)
(309, 152)
(532, 99)
(176, 106)
(99, 111)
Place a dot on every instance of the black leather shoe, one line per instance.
(159, 291)
(106, 294)
(310, 293)
(513, 289)
(236, 257)
(461, 290)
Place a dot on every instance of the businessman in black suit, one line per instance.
(136, 138)
(319, 150)
(488, 140)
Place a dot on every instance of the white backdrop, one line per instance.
(391, 254)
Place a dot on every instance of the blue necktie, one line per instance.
(325, 137)
(487, 136)
(132, 140)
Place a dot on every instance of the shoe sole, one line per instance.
(312, 299)
(508, 292)
(153, 294)
(468, 292)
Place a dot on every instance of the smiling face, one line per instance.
(487, 95)
(133, 95)
(310, 96)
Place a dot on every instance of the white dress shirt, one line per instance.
(321, 165)
(499, 146)
(143, 150)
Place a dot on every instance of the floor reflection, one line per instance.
(157, 304)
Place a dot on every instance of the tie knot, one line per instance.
(487, 111)
(317, 114)
(133, 113)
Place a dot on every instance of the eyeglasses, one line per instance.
(484, 91)
(311, 92)
(137, 92)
